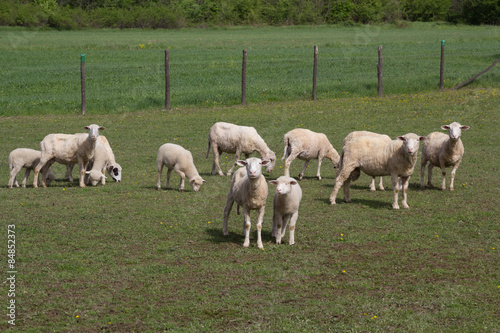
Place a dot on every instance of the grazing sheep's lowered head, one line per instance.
(196, 183)
(271, 158)
(95, 176)
(454, 130)
(115, 171)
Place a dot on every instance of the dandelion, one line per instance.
(77, 316)
(209, 222)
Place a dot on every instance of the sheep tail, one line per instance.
(208, 150)
(287, 151)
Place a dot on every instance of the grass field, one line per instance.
(125, 257)
(125, 69)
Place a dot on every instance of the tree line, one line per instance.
(78, 14)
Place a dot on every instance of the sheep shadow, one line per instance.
(216, 236)
(376, 204)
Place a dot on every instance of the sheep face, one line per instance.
(411, 142)
(196, 183)
(254, 166)
(95, 177)
(271, 158)
(115, 171)
(93, 130)
(283, 184)
(454, 130)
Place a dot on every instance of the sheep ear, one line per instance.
(241, 163)
(203, 181)
(265, 162)
(87, 172)
(86, 127)
(464, 128)
(445, 127)
(274, 182)
(402, 138)
(422, 138)
(101, 128)
(293, 182)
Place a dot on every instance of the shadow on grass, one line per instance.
(378, 204)
(216, 236)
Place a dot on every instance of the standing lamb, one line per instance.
(355, 134)
(25, 158)
(306, 145)
(378, 157)
(249, 189)
(174, 157)
(68, 149)
(285, 207)
(234, 139)
(443, 151)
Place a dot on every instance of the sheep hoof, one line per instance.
(319, 177)
(228, 174)
(395, 206)
(300, 176)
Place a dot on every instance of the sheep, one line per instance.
(285, 207)
(114, 169)
(306, 145)
(355, 134)
(99, 164)
(230, 138)
(68, 149)
(181, 160)
(444, 151)
(249, 189)
(378, 157)
(25, 158)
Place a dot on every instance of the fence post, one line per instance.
(441, 71)
(167, 80)
(379, 72)
(244, 78)
(82, 79)
(315, 71)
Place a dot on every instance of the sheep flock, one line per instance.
(374, 154)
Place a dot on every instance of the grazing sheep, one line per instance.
(234, 139)
(378, 157)
(68, 149)
(181, 160)
(97, 166)
(249, 189)
(114, 169)
(443, 151)
(355, 134)
(306, 145)
(285, 207)
(25, 158)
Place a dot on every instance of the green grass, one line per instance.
(125, 257)
(125, 69)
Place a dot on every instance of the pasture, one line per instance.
(126, 257)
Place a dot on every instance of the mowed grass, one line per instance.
(126, 257)
(125, 69)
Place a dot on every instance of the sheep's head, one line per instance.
(253, 166)
(411, 142)
(454, 130)
(95, 176)
(283, 184)
(271, 158)
(115, 171)
(93, 130)
(196, 183)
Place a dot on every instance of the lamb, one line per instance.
(285, 207)
(25, 158)
(249, 189)
(306, 145)
(68, 149)
(444, 151)
(181, 160)
(99, 165)
(234, 139)
(378, 157)
(114, 169)
(355, 134)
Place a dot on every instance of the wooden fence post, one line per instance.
(82, 79)
(167, 81)
(441, 71)
(244, 78)
(380, 72)
(315, 71)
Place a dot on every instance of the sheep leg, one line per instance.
(277, 226)
(260, 219)
(83, 167)
(227, 210)
(273, 232)
(301, 174)
(293, 221)
(69, 172)
(347, 187)
(422, 173)
(453, 172)
(25, 179)
(103, 177)
(395, 186)
(289, 161)
(343, 174)
(246, 214)
(169, 172)
(39, 167)
(372, 185)
(237, 156)
(318, 173)
(159, 169)
(443, 183)
(429, 175)
(182, 175)
(216, 164)
(404, 185)
(381, 184)
(13, 173)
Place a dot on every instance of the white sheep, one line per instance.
(234, 139)
(249, 189)
(443, 151)
(378, 157)
(174, 157)
(306, 145)
(68, 149)
(114, 169)
(25, 158)
(355, 134)
(98, 165)
(285, 207)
